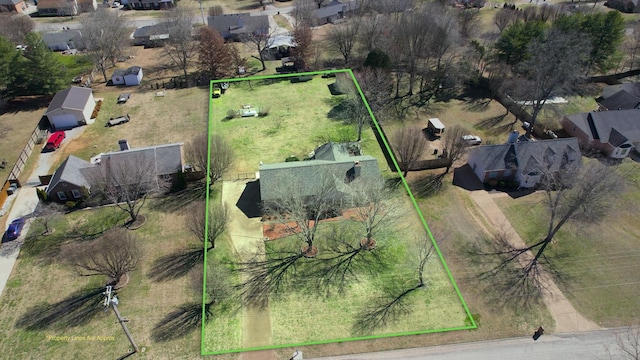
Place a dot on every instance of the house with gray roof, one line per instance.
(168, 159)
(63, 40)
(334, 11)
(150, 35)
(232, 27)
(613, 132)
(338, 164)
(524, 162)
(68, 183)
(18, 6)
(70, 108)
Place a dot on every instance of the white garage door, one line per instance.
(64, 121)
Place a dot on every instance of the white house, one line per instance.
(129, 77)
(70, 108)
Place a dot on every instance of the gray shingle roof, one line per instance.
(626, 122)
(69, 171)
(306, 176)
(236, 24)
(167, 158)
(149, 30)
(64, 36)
(73, 98)
(622, 100)
(528, 155)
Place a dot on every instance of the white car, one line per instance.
(472, 139)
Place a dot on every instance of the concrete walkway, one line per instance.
(565, 315)
(24, 203)
(246, 236)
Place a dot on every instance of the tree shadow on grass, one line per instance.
(176, 265)
(494, 125)
(76, 310)
(179, 200)
(427, 185)
(478, 105)
(178, 323)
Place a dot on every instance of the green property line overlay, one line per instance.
(387, 148)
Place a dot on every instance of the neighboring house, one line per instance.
(58, 7)
(13, 5)
(632, 88)
(87, 5)
(62, 40)
(233, 26)
(168, 159)
(150, 35)
(148, 4)
(523, 161)
(68, 182)
(70, 108)
(334, 11)
(620, 97)
(343, 163)
(129, 77)
(613, 132)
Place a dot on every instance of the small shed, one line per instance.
(129, 77)
(70, 108)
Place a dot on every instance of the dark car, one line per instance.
(15, 228)
(55, 140)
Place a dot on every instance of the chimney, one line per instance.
(356, 169)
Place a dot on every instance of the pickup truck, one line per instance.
(118, 120)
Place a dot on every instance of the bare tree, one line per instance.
(214, 56)
(126, 181)
(554, 65)
(218, 159)
(302, 35)
(468, 20)
(454, 146)
(113, 254)
(343, 37)
(627, 344)
(505, 17)
(377, 86)
(258, 39)
(409, 143)
(372, 32)
(47, 213)
(319, 3)
(218, 220)
(303, 12)
(15, 27)
(567, 199)
(103, 35)
(216, 10)
(180, 47)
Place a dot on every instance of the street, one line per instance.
(590, 345)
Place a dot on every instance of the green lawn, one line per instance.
(143, 301)
(74, 65)
(300, 118)
(599, 260)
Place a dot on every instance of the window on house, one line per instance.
(76, 193)
(62, 195)
(493, 175)
(574, 128)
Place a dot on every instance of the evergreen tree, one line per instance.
(8, 59)
(44, 73)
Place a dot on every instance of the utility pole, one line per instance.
(112, 299)
(202, 12)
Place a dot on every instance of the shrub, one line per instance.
(180, 183)
(70, 205)
(263, 111)
(291, 158)
(42, 195)
(231, 114)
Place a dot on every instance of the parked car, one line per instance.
(118, 120)
(54, 140)
(123, 98)
(217, 92)
(472, 139)
(15, 229)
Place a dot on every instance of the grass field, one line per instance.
(598, 260)
(143, 301)
(299, 120)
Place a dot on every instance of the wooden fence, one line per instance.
(36, 138)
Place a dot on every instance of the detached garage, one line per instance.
(70, 108)
(130, 77)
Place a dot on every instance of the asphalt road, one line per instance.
(593, 345)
